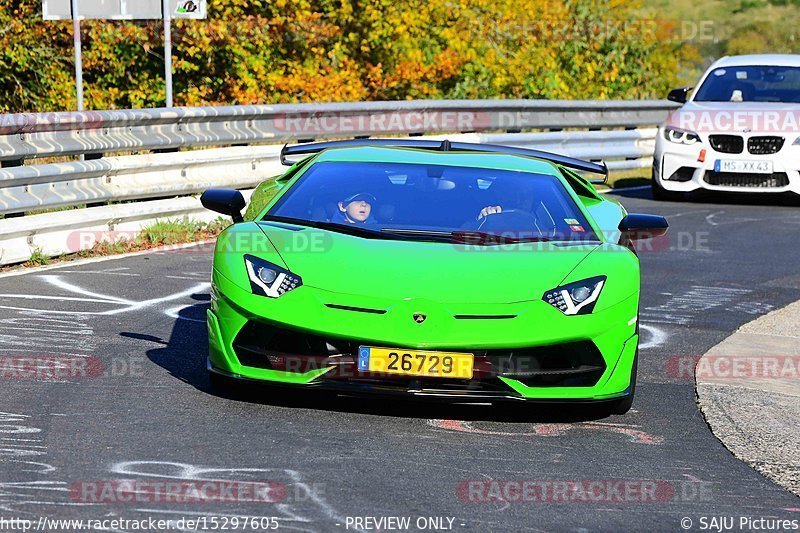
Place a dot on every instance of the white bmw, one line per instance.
(739, 131)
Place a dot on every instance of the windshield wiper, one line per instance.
(347, 229)
(466, 237)
(480, 237)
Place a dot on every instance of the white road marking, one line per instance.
(188, 472)
(94, 297)
(48, 311)
(683, 308)
(135, 306)
(175, 313)
(61, 284)
(710, 218)
(657, 337)
(101, 272)
(92, 260)
(60, 298)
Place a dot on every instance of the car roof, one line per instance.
(778, 60)
(373, 154)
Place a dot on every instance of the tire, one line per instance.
(623, 405)
(660, 193)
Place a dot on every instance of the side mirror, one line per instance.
(637, 227)
(226, 201)
(680, 95)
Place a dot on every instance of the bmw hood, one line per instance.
(443, 272)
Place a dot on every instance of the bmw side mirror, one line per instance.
(637, 227)
(680, 95)
(226, 201)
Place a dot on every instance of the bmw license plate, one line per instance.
(741, 166)
(415, 363)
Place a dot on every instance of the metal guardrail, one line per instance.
(622, 133)
(25, 136)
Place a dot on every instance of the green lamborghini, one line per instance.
(431, 269)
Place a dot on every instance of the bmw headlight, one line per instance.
(576, 298)
(679, 136)
(270, 280)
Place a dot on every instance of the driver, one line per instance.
(510, 196)
(507, 197)
(355, 209)
(489, 210)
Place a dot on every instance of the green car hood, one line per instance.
(443, 272)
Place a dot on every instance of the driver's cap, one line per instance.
(370, 199)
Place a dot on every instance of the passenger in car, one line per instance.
(355, 209)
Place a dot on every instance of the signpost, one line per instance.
(166, 10)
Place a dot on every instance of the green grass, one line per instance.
(621, 179)
(169, 231)
(38, 258)
(161, 232)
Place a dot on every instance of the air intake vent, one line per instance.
(725, 179)
(764, 145)
(727, 144)
(356, 309)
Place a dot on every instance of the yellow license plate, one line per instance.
(415, 362)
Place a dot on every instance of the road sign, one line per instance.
(189, 9)
(124, 9)
(165, 10)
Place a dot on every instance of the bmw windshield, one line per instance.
(433, 202)
(751, 84)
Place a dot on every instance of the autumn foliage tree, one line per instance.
(275, 51)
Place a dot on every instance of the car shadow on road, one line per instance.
(184, 354)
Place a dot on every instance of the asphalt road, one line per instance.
(141, 408)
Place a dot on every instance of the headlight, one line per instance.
(797, 141)
(269, 280)
(576, 298)
(679, 136)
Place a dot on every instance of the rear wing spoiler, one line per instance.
(447, 146)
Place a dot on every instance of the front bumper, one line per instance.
(603, 344)
(678, 169)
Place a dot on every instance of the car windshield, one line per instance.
(430, 202)
(751, 84)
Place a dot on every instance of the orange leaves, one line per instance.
(270, 51)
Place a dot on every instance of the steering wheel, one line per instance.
(511, 220)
